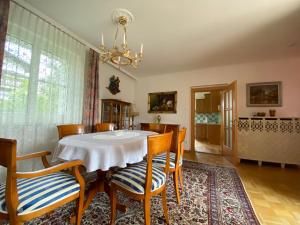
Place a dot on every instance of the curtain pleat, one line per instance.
(42, 83)
(4, 9)
(91, 92)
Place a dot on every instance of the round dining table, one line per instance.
(101, 151)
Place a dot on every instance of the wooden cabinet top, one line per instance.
(114, 101)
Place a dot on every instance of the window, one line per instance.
(52, 84)
(15, 78)
(42, 82)
(46, 90)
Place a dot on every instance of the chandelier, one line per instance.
(120, 54)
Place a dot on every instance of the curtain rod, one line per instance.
(60, 27)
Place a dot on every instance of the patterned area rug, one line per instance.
(212, 195)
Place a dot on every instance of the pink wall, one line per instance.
(287, 71)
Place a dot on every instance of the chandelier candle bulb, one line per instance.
(124, 39)
(142, 48)
(102, 40)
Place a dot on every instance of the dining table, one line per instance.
(101, 152)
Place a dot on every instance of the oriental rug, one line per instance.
(212, 195)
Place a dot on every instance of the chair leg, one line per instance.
(147, 211)
(80, 202)
(176, 186)
(164, 203)
(180, 177)
(15, 221)
(113, 205)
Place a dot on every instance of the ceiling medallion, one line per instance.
(121, 55)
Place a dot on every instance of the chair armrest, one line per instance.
(41, 154)
(33, 155)
(53, 169)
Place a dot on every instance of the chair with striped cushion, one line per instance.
(27, 195)
(175, 162)
(143, 180)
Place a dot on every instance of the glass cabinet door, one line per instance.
(106, 113)
(115, 111)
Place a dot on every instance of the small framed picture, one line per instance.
(267, 94)
(162, 102)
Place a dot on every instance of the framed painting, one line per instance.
(268, 94)
(162, 102)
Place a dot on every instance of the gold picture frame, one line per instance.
(162, 102)
(266, 94)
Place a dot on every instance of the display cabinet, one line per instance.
(117, 112)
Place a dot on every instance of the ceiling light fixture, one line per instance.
(121, 55)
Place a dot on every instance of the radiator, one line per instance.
(269, 139)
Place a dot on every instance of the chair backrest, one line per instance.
(8, 152)
(180, 147)
(8, 159)
(101, 127)
(69, 129)
(156, 127)
(157, 144)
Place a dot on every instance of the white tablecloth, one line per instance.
(104, 150)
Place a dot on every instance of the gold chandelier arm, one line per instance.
(121, 55)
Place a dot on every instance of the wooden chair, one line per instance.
(156, 127)
(143, 180)
(27, 195)
(69, 129)
(101, 127)
(175, 162)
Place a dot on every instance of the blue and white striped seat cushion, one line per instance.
(133, 178)
(40, 192)
(160, 160)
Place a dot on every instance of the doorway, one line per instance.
(213, 116)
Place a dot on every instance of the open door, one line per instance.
(229, 133)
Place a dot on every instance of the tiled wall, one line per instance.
(208, 117)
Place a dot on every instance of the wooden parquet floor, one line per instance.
(273, 192)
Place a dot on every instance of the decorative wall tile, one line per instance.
(257, 125)
(208, 117)
(271, 126)
(286, 126)
(297, 126)
(243, 124)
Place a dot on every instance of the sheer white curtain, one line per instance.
(42, 83)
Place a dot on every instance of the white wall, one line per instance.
(127, 84)
(287, 71)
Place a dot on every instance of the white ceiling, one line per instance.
(185, 35)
